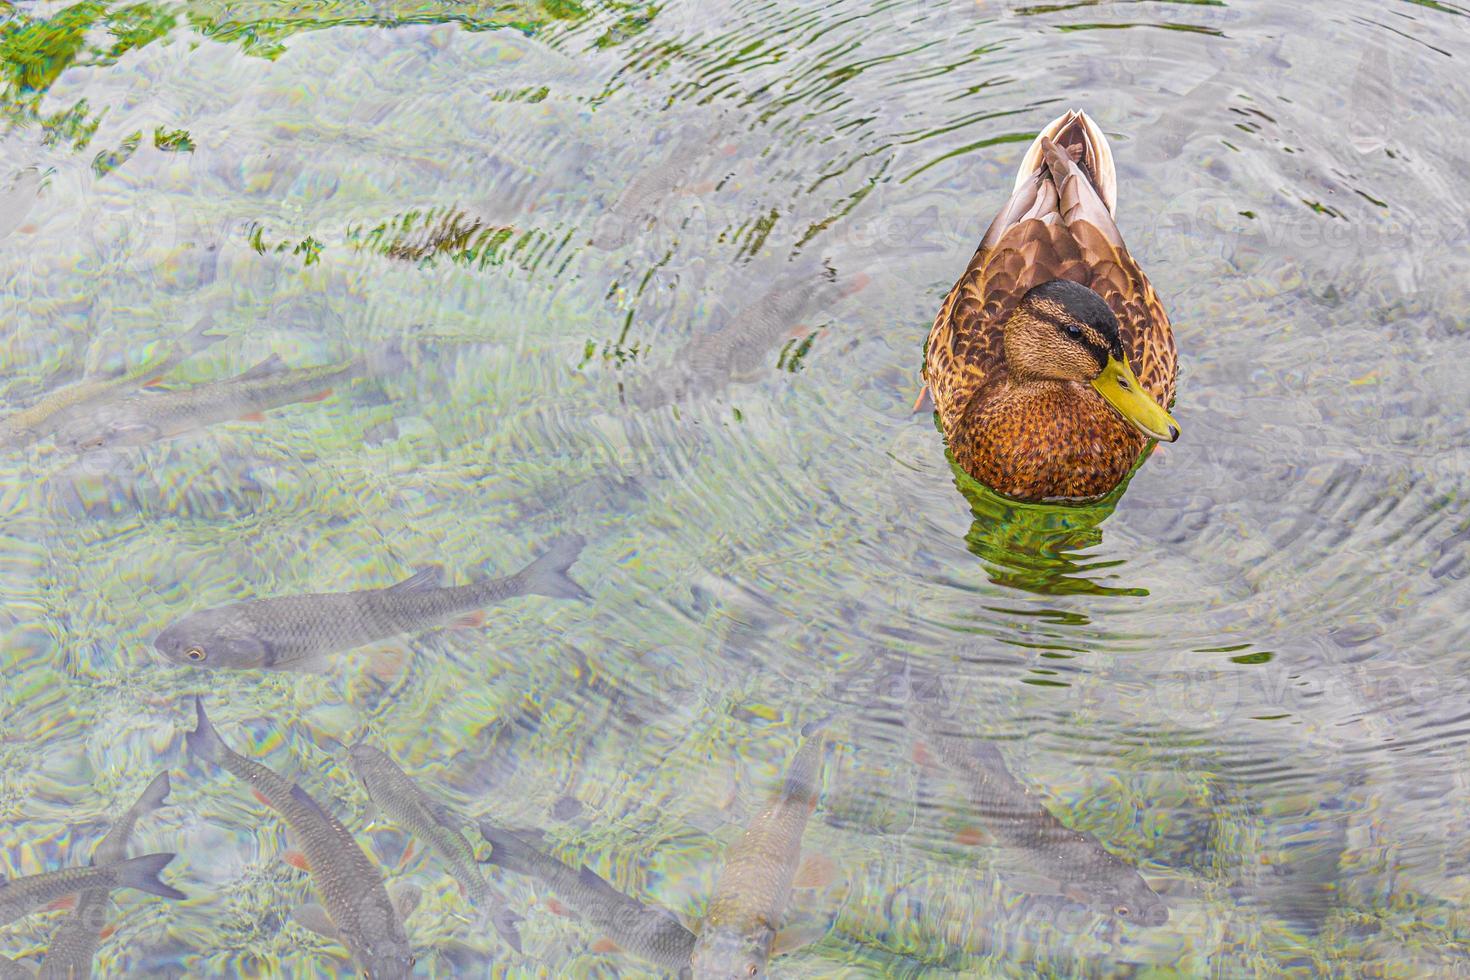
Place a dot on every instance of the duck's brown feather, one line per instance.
(1055, 226)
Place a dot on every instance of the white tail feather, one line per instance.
(1099, 156)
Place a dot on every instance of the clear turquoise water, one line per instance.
(1246, 677)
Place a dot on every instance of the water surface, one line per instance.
(1244, 675)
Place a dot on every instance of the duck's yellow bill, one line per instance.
(1119, 385)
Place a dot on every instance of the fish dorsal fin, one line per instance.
(531, 835)
(301, 796)
(596, 882)
(989, 755)
(270, 366)
(445, 816)
(428, 577)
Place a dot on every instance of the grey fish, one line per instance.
(351, 888)
(153, 416)
(22, 896)
(1038, 842)
(650, 189)
(61, 408)
(73, 945)
(740, 351)
(398, 796)
(17, 201)
(750, 899)
(296, 632)
(643, 930)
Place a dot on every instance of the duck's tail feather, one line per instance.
(1084, 142)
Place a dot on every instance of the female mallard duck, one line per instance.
(1031, 359)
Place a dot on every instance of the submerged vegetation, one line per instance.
(449, 232)
(36, 50)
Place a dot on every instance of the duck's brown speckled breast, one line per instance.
(1044, 440)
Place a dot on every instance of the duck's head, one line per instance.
(1063, 331)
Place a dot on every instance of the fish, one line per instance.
(754, 887)
(17, 201)
(646, 931)
(402, 800)
(20, 897)
(73, 945)
(154, 416)
(362, 916)
(648, 192)
(740, 351)
(1038, 844)
(297, 632)
(60, 409)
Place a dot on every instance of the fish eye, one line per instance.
(1121, 911)
(195, 654)
(753, 970)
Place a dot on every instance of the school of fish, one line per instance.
(733, 932)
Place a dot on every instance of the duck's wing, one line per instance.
(1055, 226)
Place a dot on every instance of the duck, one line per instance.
(1051, 365)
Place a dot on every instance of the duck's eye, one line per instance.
(1073, 330)
(195, 654)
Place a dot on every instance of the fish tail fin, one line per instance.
(142, 873)
(548, 576)
(204, 741)
(155, 794)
